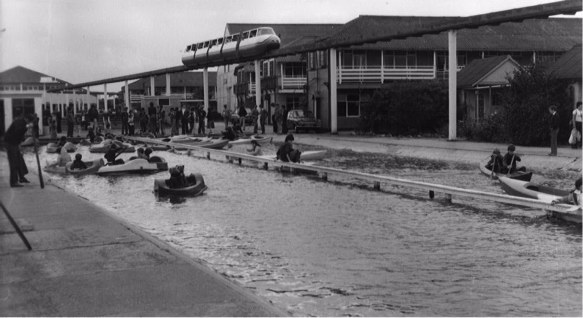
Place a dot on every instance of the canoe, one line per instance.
(196, 186)
(518, 175)
(92, 167)
(204, 142)
(53, 168)
(531, 190)
(53, 147)
(104, 146)
(543, 193)
(305, 156)
(246, 141)
(136, 166)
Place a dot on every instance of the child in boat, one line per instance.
(91, 135)
(141, 154)
(574, 197)
(112, 153)
(510, 159)
(78, 163)
(255, 149)
(496, 163)
(177, 178)
(148, 152)
(286, 152)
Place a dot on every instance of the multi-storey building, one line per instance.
(25, 91)
(186, 89)
(360, 70)
(283, 80)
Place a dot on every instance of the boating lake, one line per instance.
(339, 248)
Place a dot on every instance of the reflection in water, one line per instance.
(336, 248)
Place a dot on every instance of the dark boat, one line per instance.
(195, 187)
(518, 175)
(92, 167)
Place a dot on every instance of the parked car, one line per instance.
(298, 119)
(248, 118)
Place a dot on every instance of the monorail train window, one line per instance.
(214, 42)
(206, 44)
(220, 41)
(253, 34)
(200, 45)
(235, 37)
(263, 31)
(245, 35)
(188, 48)
(227, 39)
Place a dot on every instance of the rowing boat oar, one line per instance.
(510, 169)
(40, 173)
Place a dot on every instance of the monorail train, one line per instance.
(232, 47)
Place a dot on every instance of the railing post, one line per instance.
(377, 185)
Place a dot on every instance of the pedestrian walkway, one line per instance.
(86, 262)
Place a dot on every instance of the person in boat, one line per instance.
(78, 163)
(148, 152)
(177, 177)
(62, 141)
(255, 149)
(286, 152)
(141, 154)
(64, 158)
(112, 153)
(574, 197)
(91, 135)
(496, 162)
(510, 159)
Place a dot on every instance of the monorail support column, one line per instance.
(167, 84)
(126, 95)
(105, 97)
(257, 84)
(152, 86)
(205, 83)
(333, 92)
(452, 76)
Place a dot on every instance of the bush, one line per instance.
(406, 108)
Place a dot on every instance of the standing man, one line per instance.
(201, 116)
(125, 121)
(184, 120)
(226, 116)
(276, 118)
(161, 119)
(576, 121)
(554, 127)
(255, 117)
(262, 118)
(284, 119)
(152, 117)
(70, 121)
(13, 137)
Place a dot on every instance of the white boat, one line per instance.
(310, 155)
(136, 166)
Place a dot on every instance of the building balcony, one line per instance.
(378, 74)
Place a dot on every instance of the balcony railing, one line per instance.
(371, 74)
(293, 83)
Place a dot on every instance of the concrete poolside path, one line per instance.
(86, 262)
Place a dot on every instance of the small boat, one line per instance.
(92, 167)
(518, 175)
(136, 166)
(543, 193)
(531, 190)
(53, 147)
(245, 141)
(203, 142)
(104, 146)
(310, 155)
(54, 168)
(196, 186)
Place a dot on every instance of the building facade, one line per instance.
(25, 91)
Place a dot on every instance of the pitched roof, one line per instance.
(288, 33)
(479, 69)
(568, 66)
(553, 34)
(19, 74)
(188, 79)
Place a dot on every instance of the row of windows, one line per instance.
(231, 38)
(25, 87)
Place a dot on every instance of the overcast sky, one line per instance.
(86, 40)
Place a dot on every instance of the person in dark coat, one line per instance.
(201, 116)
(284, 120)
(184, 120)
(13, 137)
(125, 121)
(554, 128)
